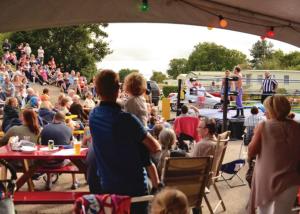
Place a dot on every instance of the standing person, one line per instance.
(239, 90)
(6, 46)
(116, 138)
(268, 87)
(227, 74)
(275, 144)
(41, 54)
(201, 92)
(27, 50)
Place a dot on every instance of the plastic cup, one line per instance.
(77, 147)
(27, 138)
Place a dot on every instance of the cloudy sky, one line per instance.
(149, 47)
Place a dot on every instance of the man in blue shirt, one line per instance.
(117, 136)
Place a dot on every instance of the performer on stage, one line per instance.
(239, 90)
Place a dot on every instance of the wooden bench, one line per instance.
(47, 197)
(60, 197)
(64, 169)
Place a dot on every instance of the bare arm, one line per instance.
(152, 172)
(151, 143)
(5, 138)
(254, 147)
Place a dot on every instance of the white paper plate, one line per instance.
(46, 149)
(28, 149)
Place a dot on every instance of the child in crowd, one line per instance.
(250, 123)
(170, 201)
(135, 85)
(167, 139)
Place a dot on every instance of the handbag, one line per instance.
(7, 188)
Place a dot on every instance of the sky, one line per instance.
(150, 47)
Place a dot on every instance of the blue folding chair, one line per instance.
(233, 169)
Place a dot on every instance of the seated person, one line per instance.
(29, 128)
(185, 127)
(63, 106)
(250, 123)
(10, 112)
(170, 201)
(167, 139)
(89, 102)
(207, 146)
(59, 133)
(77, 109)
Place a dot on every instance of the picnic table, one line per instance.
(32, 167)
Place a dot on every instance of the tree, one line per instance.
(291, 60)
(212, 57)
(158, 76)
(260, 51)
(176, 67)
(74, 47)
(124, 72)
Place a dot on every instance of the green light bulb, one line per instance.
(144, 7)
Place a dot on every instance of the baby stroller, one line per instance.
(7, 188)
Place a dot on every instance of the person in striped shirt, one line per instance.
(268, 87)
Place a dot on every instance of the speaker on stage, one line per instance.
(236, 126)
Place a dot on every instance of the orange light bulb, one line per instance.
(223, 23)
(210, 27)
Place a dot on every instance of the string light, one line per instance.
(270, 33)
(210, 27)
(223, 22)
(144, 6)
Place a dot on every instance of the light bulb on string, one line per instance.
(144, 7)
(223, 22)
(270, 33)
(210, 27)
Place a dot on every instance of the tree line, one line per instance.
(80, 47)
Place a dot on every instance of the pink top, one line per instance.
(278, 164)
(187, 125)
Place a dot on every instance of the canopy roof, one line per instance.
(249, 16)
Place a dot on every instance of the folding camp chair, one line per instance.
(189, 175)
(233, 168)
(217, 161)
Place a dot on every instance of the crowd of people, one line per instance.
(129, 140)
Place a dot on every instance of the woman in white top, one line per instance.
(89, 102)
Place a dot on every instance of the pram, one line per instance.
(7, 188)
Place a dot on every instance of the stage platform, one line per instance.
(235, 125)
(215, 113)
